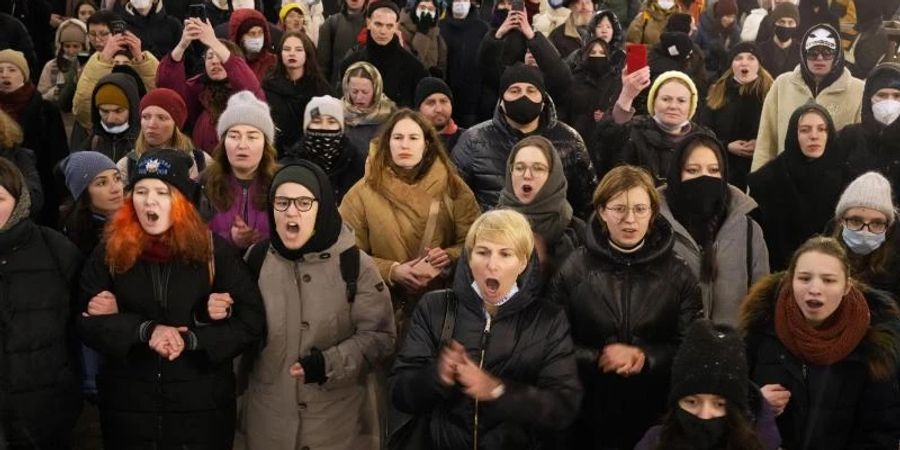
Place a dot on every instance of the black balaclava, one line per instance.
(328, 222)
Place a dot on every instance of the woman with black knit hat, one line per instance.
(797, 191)
(824, 350)
(536, 187)
(723, 246)
(323, 340)
(709, 405)
(150, 294)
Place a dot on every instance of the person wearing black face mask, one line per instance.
(594, 89)
(708, 400)
(525, 109)
(781, 52)
(723, 247)
(418, 26)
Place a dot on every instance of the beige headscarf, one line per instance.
(380, 109)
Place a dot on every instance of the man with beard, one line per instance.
(418, 27)
(573, 33)
(435, 101)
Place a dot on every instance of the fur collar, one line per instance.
(880, 348)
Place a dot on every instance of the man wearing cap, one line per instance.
(781, 53)
(524, 109)
(435, 101)
(400, 70)
(337, 37)
(114, 112)
(820, 77)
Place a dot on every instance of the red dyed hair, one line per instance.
(188, 237)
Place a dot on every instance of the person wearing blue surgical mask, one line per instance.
(865, 224)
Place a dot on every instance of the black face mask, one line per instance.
(325, 147)
(597, 65)
(702, 196)
(784, 33)
(522, 110)
(703, 434)
(499, 17)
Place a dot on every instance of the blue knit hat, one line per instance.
(80, 169)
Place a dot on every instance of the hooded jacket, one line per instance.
(115, 146)
(159, 32)
(589, 92)
(526, 345)
(55, 85)
(839, 92)
(646, 299)
(261, 62)
(840, 406)
(94, 70)
(482, 151)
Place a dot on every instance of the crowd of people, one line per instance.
(494, 224)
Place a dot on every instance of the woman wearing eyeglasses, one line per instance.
(865, 225)
(536, 187)
(630, 300)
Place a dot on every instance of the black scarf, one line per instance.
(326, 148)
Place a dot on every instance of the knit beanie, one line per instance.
(80, 168)
(378, 4)
(328, 224)
(785, 9)
(724, 8)
(431, 85)
(111, 94)
(245, 109)
(522, 73)
(666, 76)
(288, 7)
(711, 360)
(679, 22)
(323, 106)
(871, 190)
(17, 59)
(745, 47)
(169, 165)
(168, 100)
(73, 30)
(676, 44)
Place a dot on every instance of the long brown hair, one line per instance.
(218, 188)
(380, 160)
(311, 68)
(759, 87)
(819, 244)
(179, 141)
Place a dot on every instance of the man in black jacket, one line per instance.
(435, 101)
(147, 19)
(400, 69)
(525, 109)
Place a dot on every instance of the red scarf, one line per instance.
(157, 251)
(450, 129)
(14, 103)
(831, 342)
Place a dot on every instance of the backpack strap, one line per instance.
(211, 265)
(256, 255)
(449, 317)
(350, 270)
(749, 252)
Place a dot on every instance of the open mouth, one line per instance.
(292, 61)
(293, 228)
(745, 72)
(152, 217)
(814, 304)
(6, 84)
(492, 285)
(526, 188)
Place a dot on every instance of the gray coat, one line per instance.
(722, 297)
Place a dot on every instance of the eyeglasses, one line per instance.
(303, 204)
(537, 170)
(826, 54)
(857, 224)
(621, 211)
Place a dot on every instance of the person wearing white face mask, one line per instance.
(249, 29)
(115, 115)
(418, 26)
(157, 30)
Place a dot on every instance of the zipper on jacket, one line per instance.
(244, 208)
(626, 306)
(485, 337)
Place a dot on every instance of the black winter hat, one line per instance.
(328, 224)
(745, 47)
(431, 85)
(676, 45)
(169, 165)
(521, 73)
(382, 4)
(711, 360)
(679, 22)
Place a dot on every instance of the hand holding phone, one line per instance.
(117, 27)
(197, 11)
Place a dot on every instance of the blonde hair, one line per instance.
(10, 132)
(503, 226)
(716, 98)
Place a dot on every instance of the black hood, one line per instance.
(883, 75)
(792, 143)
(616, 42)
(530, 286)
(658, 243)
(837, 68)
(128, 85)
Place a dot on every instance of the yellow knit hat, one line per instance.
(662, 79)
(17, 59)
(110, 94)
(288, 7)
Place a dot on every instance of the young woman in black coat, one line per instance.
(630, 300)
(167, 380)
(595, 87)
(97, 192)
(507, 378)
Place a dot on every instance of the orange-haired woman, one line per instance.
(169, 307)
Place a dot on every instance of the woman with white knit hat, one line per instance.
(865, 225)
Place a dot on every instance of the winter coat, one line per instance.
(840, 406)
(337, 37)
(588, 93)
(777, 60)
(115, 146)
(242, 205)
(737, 120)
(733, 241)
(146, 400)
(343, 175)
(26, 162)
(280, 413)
(549, 18)
(648, 25)
(463, 37)
(360, 136)
(93, 71)
(390, 227)
(660, 61)
(260, 63)
(56, 85)
(430, 47)
(193, 91)
(639, 142)
(159, 32)
(400, 70)
(647, 299)
(14, 35)
(843, 99)
(751, 24)
(868, 49)
(41, 396)
(567, 38)
(526, 344)
(716, 42)
(287, 101)
(482, 151)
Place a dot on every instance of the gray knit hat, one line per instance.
(323, 106)
(245, 109)
(80, 169)
(871, 190)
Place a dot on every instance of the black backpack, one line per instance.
(349, 265)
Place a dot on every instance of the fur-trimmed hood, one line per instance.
(880, 348)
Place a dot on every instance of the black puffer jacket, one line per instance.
(834, 407)
(482, 151)
(287, 100)
(159, 32)
(40, 394)
(145, 400)
(115, 146)
(646, 299)
(527, 347)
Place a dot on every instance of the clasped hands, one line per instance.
(624, 360)
(455, 367)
